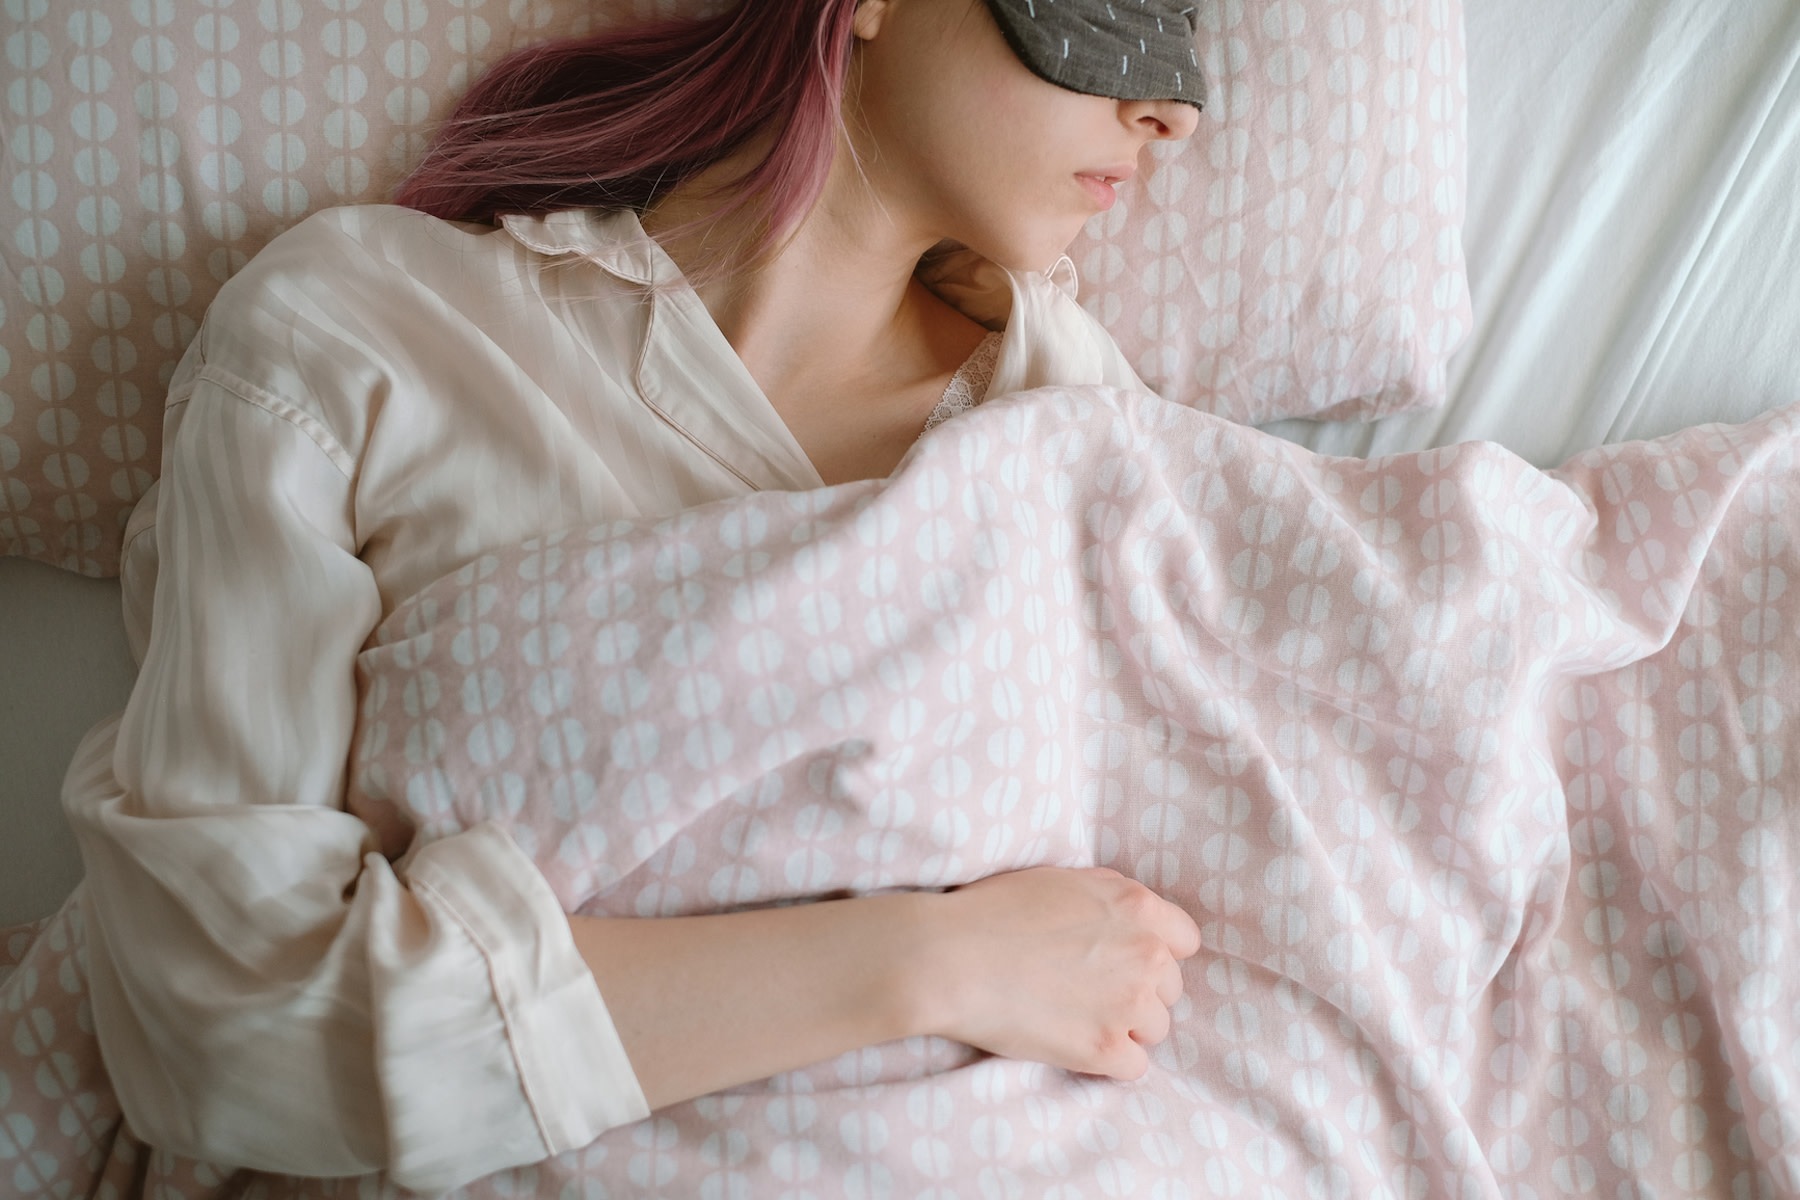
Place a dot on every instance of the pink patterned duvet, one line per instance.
(1480, 780)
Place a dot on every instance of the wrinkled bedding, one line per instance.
(1477, 779)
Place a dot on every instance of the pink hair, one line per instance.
(615, 119)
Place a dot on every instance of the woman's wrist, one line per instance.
(930, 974)
(923, 984)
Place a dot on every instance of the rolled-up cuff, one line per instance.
(454, 1086)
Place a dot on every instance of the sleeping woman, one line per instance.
(637, 272)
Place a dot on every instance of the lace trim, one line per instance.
(970, 383)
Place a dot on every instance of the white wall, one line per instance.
(64, 665)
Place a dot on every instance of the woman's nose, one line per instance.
(1167, 120)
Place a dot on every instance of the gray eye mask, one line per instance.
(1126, 49)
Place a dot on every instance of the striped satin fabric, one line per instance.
(1127, 49)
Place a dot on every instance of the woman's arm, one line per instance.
(268, 990)
(1076, 968)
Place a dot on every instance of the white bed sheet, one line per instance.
(1633, 227)
(1632, 240)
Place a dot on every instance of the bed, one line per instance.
(1629, 236)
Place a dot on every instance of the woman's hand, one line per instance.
(1076, 968)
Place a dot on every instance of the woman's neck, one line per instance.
(852, 351)
(837, 303)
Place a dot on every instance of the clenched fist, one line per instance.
(1077, 968)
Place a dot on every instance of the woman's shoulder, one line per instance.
(354, 246)
(358, 309)
(319, 288)
(347, 285)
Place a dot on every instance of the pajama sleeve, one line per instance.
(268, 990)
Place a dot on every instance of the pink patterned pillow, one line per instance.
(1301, 256)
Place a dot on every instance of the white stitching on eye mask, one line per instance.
(1093, 32)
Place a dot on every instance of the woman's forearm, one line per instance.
(1072, 967)
(703, 1003)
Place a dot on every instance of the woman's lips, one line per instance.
(1100, 190)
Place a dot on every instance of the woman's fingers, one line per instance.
(1124, 1059)
(1152, 1025)
(1169, 985)
(1169, 921)
(1178, 931)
